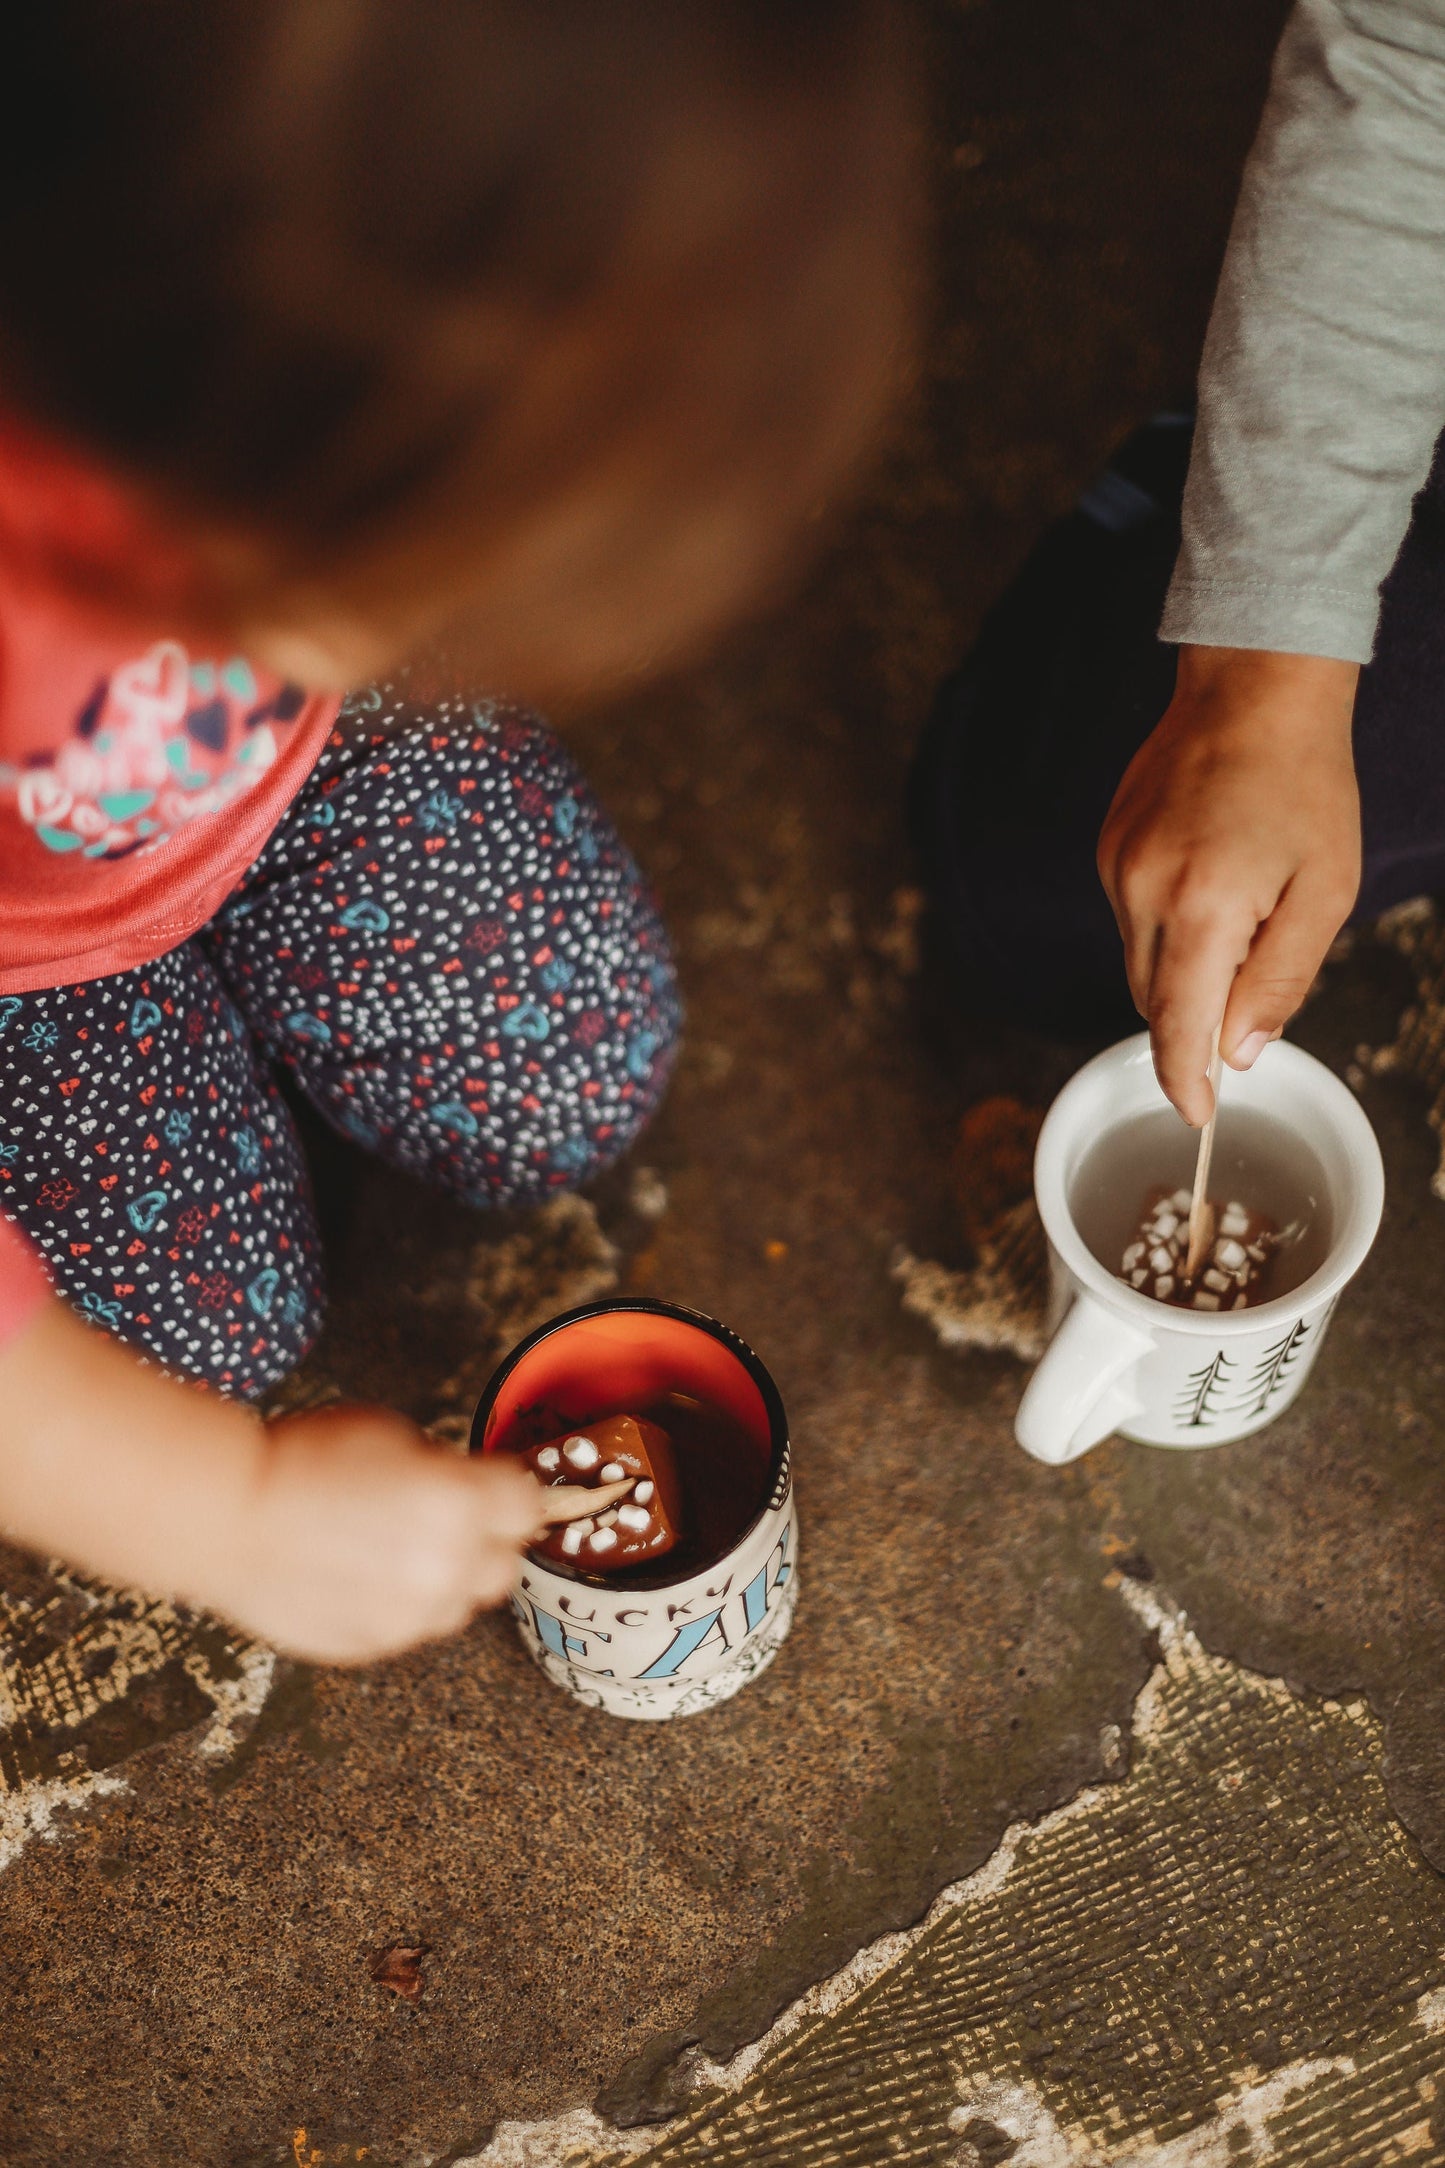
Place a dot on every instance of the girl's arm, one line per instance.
(341, 1535)
(1322, 389)
(1231, 854)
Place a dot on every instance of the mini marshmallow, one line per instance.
(1181, 1200)
(612, 1473)
(1218, 1280)
(1165, 1225)
(602, 1539)
(1234, 1220)
(1138, 1277)
(1164, 1287)
(580, 1453)
(1133, 1256)
(572, 1540)
(1161, 1260)
(549, 1459)
(1203, 1300)
(1230, 1254)
(637, 1518)
(642, 1493)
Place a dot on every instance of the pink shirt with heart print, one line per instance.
(138, 781)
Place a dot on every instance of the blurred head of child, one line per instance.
(329, 327)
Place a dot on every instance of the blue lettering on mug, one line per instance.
(755, 1595)
(686, 1642)
(554, 1636)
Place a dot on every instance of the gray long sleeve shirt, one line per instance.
(1322, 390)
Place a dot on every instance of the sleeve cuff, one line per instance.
(24, 1284)
(1283, 620)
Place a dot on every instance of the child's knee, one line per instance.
(241, 1331)
(578, 1085)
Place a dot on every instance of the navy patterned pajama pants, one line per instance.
(450, 951)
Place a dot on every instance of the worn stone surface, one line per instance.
(1099, 1994)
(199, 1899)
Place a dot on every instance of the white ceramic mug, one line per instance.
(679, 1643)
(1120, 1361)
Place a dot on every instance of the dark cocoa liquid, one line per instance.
(722, 1471)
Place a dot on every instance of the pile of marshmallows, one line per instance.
(1154, 1261)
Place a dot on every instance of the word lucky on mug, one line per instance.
(726, 1626)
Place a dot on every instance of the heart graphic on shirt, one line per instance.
(238, 680)
(10, 1008)
(208, 725)
(262, 1291)
(152, 691)
(123, 805)
(144, 1016)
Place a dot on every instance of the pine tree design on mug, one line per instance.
(1271, 1369)
(1198, 1405)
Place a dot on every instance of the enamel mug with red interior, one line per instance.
(688, 1631)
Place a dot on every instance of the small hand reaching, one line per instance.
(1231, 855)
(366, 1538)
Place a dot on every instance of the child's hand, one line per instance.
(340, 1535)
(364, 1538)
(1231, 855)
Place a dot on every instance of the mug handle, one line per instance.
(1067, 1405)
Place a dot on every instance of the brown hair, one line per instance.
(560, 302)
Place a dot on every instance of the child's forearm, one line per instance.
(1322, 390)
(339, 1535)
(119, 1469)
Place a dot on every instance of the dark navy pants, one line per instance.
(449, 950)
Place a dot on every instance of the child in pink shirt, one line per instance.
(322, 336)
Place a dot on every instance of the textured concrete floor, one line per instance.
(207, 1854)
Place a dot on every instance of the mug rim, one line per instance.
(1347, 1252)
(651, 1306)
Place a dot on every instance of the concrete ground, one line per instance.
(1087, 1817)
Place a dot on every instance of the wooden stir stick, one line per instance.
(1201, 1211)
